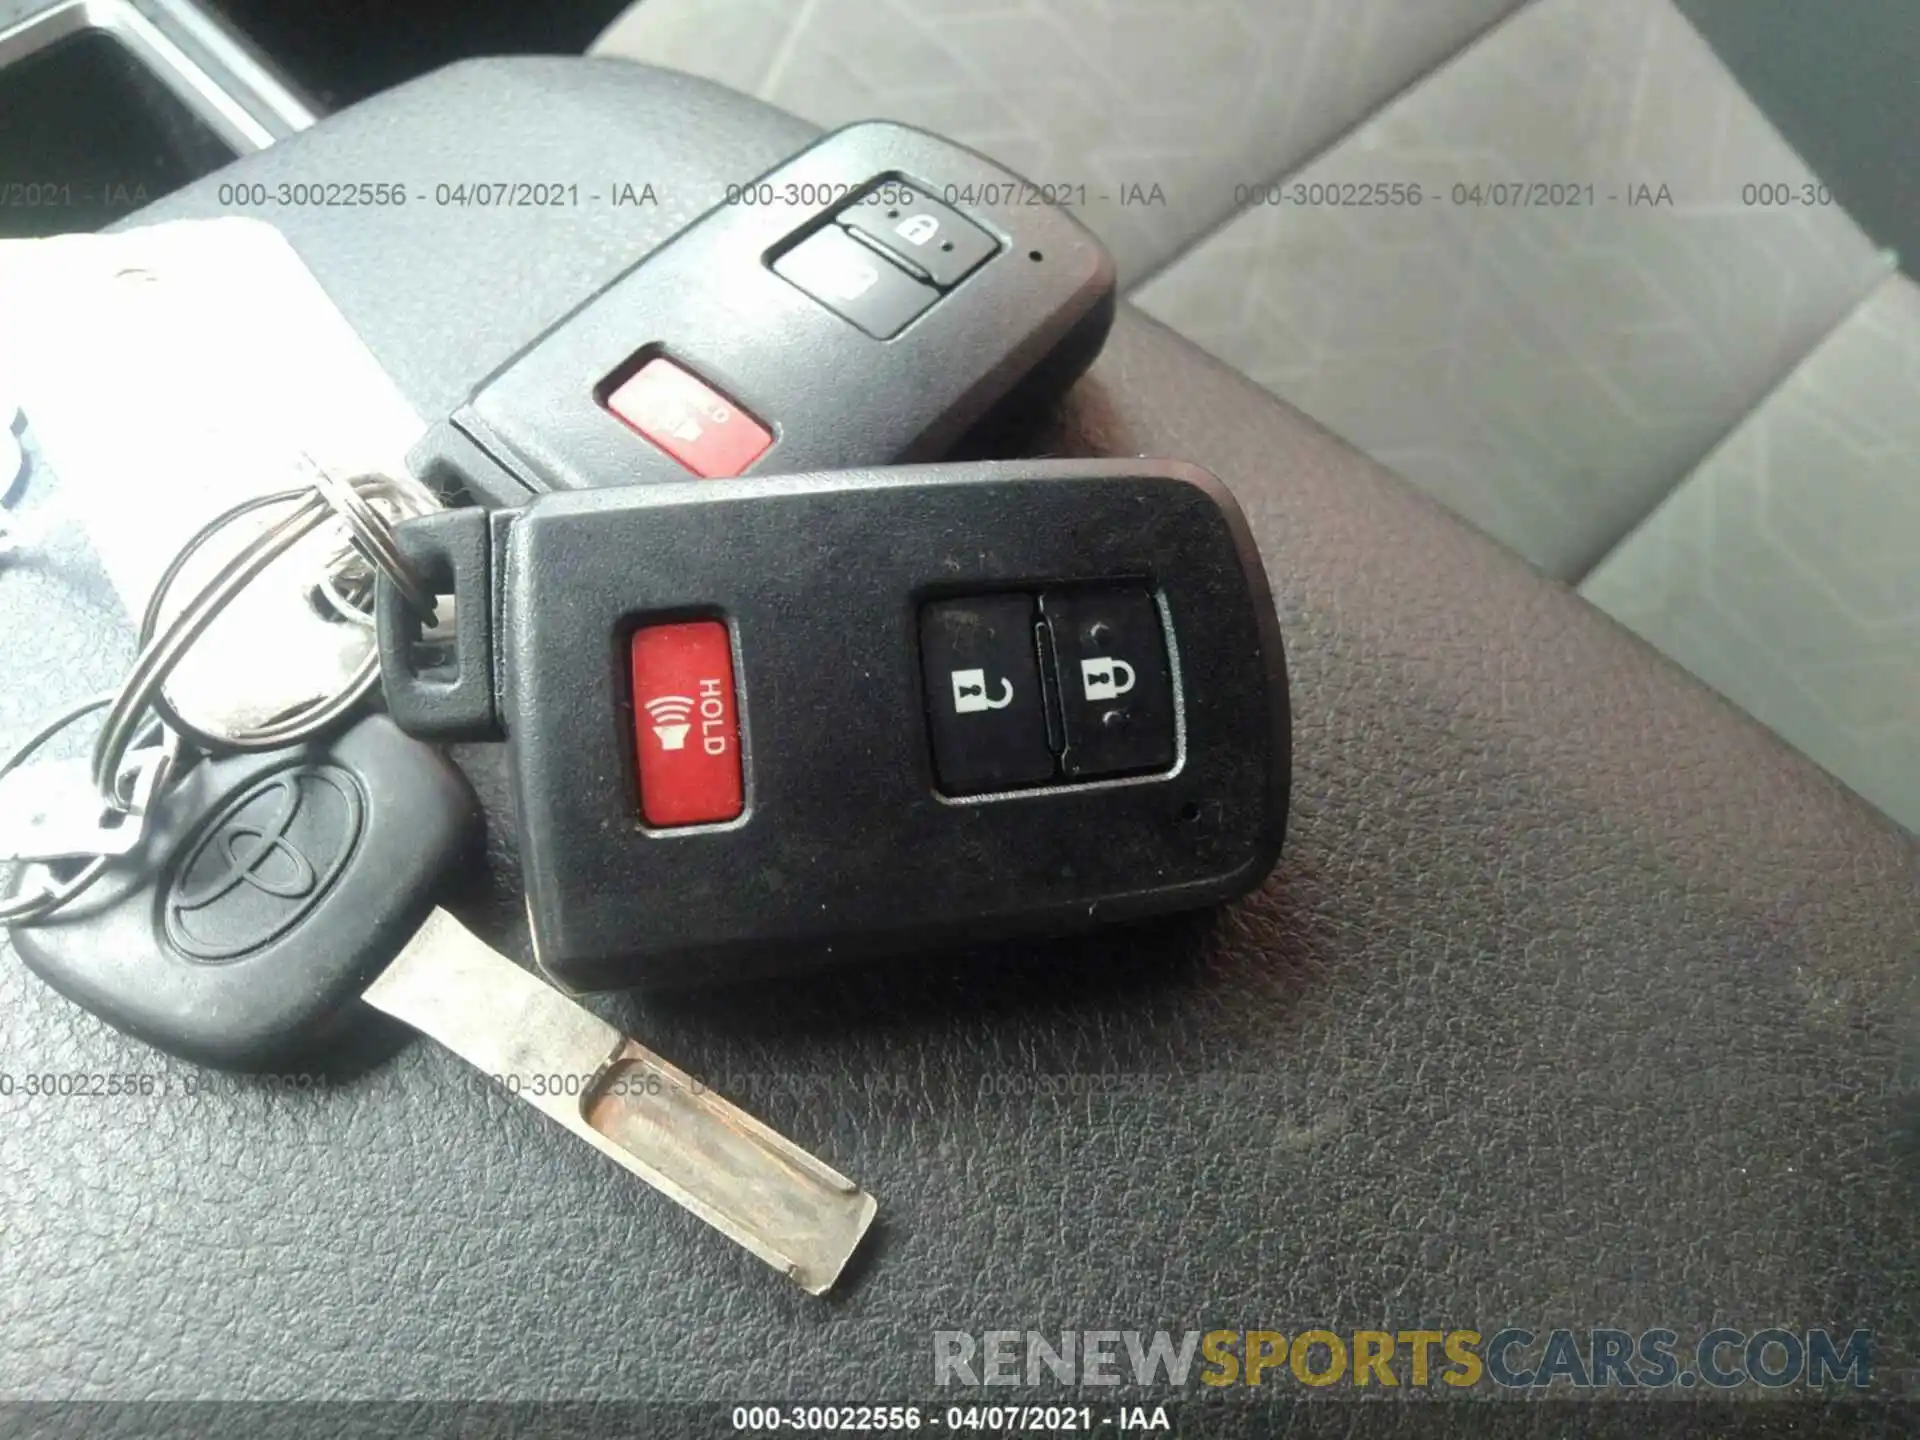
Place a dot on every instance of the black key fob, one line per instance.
(265, 894)
(868, 302)
(760, 723)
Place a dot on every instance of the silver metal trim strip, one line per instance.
(195, 88)
(253, 79)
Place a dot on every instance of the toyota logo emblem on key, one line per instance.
(263, 863)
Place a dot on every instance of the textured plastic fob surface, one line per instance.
(846, 599)
(724, 302)
(265, 895)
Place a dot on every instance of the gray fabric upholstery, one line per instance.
(1548, 373)
(1786, 571)
(1551, 374)
(1197, 96)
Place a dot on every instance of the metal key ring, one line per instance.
(303, 720)
(158, 659)
(350, 611)
(21, 909)
(373, 534)
(283, 729)
(296, 725)
(16, 907)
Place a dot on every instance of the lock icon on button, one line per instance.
(917, 229)
(1100, 678)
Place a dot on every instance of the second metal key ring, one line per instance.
(20, 907)
(163, 651)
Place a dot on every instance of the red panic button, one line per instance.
(685, 724)
(691, 421)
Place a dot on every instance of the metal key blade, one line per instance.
(751, 1184)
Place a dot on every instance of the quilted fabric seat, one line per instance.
(1624, 330)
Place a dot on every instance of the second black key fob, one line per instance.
(868, 302)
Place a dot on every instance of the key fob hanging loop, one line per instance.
(448, 697)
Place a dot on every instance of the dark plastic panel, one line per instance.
(834, 396)
(267, 893)
(847, 846)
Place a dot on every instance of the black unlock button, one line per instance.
(984, 703)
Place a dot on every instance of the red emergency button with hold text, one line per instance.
(686, 724)
(690, 420)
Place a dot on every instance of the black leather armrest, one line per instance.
(1577, 999)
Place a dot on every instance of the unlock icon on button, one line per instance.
(1102, 678)
(970, 695)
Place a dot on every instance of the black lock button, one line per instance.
(985, 709)
(932, 237)
(1114, 681)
